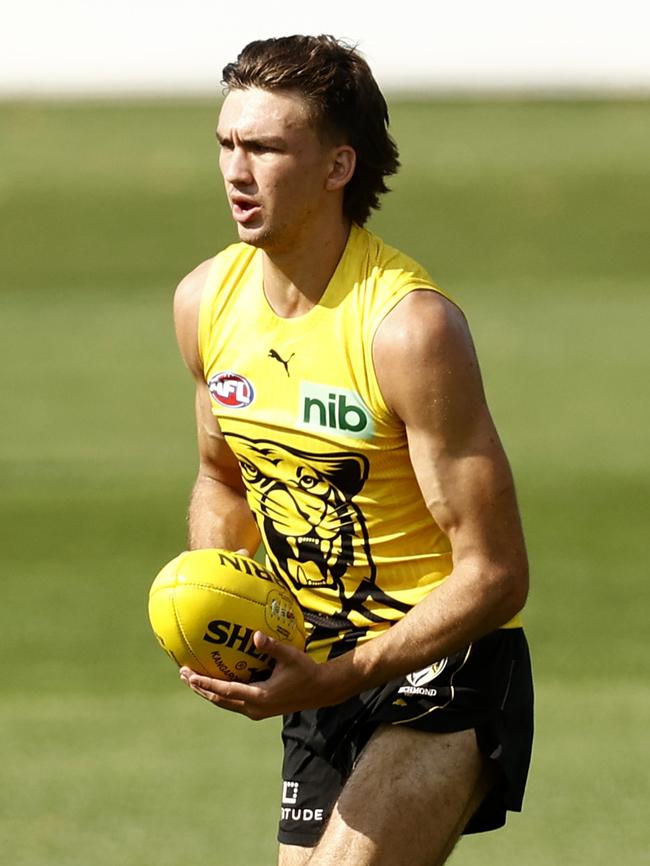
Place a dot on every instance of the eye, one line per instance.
(256, 147)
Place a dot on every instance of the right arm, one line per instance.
(219, 515)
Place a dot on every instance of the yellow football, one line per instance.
(205, 606)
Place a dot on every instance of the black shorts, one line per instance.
(487, 686)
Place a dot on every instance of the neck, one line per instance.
(295, 279)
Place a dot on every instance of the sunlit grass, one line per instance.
(535, 218)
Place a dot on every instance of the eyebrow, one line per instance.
(265, 140)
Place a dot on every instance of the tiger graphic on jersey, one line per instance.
(304, 506)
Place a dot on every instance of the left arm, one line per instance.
(429, 376)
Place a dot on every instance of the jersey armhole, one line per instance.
(205, 309)
(380, 314)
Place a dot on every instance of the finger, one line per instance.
(244, 708)
(276, 649)
(244, 552)
(223, 689)
(218, 700)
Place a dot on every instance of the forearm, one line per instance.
(220, 517)
(467, 606)
(447, 620)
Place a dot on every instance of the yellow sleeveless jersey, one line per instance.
(324, 461)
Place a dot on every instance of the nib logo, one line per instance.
(325, 408)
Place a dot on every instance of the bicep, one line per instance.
(468, 488)
(216, 459)
(457, 457)
(187, 304)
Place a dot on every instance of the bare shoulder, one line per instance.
(423, 351)
(187, 303)
(187, 297)
(423, 321)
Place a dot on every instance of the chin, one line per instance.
(248, 232)
(256, 237)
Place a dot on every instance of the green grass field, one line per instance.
(535, 217)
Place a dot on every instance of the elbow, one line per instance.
(501, 588)
(512, 589)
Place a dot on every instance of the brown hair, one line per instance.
(344, 100)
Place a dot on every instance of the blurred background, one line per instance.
(525, 191)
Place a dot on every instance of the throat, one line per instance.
(290, 302)
(294, 284)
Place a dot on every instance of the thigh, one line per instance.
(293, 855)
(407, 800)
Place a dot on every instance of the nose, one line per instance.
(235, 166)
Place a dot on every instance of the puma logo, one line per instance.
(273, 354)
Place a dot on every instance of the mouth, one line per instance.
(244, 209)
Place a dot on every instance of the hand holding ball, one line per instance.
(205, 606)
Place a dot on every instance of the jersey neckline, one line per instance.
(331, 289)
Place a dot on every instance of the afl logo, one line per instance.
(231, 390)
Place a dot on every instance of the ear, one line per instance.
(344, 160)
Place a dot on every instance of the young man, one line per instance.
(342, 422)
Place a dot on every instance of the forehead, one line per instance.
(253, 111)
